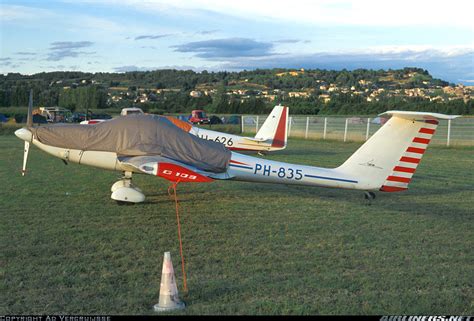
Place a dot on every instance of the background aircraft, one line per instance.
(272, 136)
(152, 145)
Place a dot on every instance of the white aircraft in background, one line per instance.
(272, 136)
(386, 162)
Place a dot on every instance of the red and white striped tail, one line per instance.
(388, 160)
(403, 171)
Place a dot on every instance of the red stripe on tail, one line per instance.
(421, 140)
(280, 134)
(385, 188)
(427, 131)
(410, 160)
(398, 179)
(416, 150)
(404, 169)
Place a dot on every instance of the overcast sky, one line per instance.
(125, 35)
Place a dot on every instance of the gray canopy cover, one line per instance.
(138, 135)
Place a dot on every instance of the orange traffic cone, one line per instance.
(169, 299)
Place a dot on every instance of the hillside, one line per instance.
(256, 91)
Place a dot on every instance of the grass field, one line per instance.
(67, 248)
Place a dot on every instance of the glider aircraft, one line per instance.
(272, 136)
(153, 145)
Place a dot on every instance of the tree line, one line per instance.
(80, 91)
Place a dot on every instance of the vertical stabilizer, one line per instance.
(388, 160)
(275, 127)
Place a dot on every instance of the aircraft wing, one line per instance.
(259, 141)
(167, 168)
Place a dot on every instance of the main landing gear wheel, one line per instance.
(124, 192)
(369, 197)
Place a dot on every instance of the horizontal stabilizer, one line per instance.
(257, 140)
(416, 115)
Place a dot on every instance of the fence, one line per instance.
(459, 131)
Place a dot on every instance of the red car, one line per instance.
(198, 117)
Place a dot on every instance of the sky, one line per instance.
(214, 35)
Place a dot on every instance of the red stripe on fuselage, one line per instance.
(176, 173)
(280, 134)
(236, 162)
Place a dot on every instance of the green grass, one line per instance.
(67, 248)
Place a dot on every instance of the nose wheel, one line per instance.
(124, 192)
(369, 197)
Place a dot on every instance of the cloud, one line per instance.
(22, 13)
(207, 32)
(288, 41)
(8, 62)
(65, 49)
(321, 12)
(136, 68)
(70, 45)
(152, 36)
(131, 68)
(226, 48)
(25, 53)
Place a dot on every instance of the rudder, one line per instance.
(275, 127)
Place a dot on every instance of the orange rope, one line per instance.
(185, 286)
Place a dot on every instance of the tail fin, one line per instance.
(275, 127)
(388, 160)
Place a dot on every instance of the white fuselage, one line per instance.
(100, 159)
(233, 142)
(241, 167)
(253, 169)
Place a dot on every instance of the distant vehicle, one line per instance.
(379, 120)
(215, 120)
(54, 114)
(78, 117)
(38, 119)
(234, 120)
(130, 111)
(98, 118)
(356, 121)
(199, 117)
